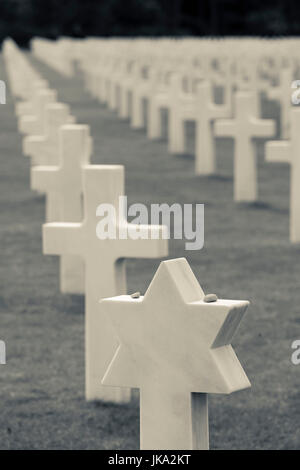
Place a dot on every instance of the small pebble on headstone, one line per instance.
(136, 295)
(210, 298)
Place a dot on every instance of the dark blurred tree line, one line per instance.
(22, 19)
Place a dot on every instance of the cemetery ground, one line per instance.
(246, 255)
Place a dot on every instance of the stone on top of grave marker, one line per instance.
(243, 128)
(175, 347)
(104, 259)
(63, 187)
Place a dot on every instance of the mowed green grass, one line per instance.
(247, 255)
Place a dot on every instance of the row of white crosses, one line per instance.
(201, 108)
(280, 69)
(40, 118)
(121, 71)
(64, 177)
(173, 343)
(245, 68)
(162, 89)
(253, 64)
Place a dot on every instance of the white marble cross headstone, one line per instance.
(243, 129)
(23, 108)
(104, 265)
(141, 91)
(175, 347)
(126, 87)
(63, 187)
(35, 124)
(180, 106)
(207, 112)
(288, 151)
(44, 149)
(198, 107)
(158, 98)
(282, 94)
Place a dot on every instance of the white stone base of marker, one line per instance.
(175, 347)
(243, 129)
(179, 422)
(123, 111)
(104, 260)
(159, 100)
(137, 117)
(154, 120)
(175, 133)
(205, 154)
(112, 98)
(175, 121)
(289, 152)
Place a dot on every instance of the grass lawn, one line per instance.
(247, 255)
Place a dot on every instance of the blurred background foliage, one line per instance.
(22, 19)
